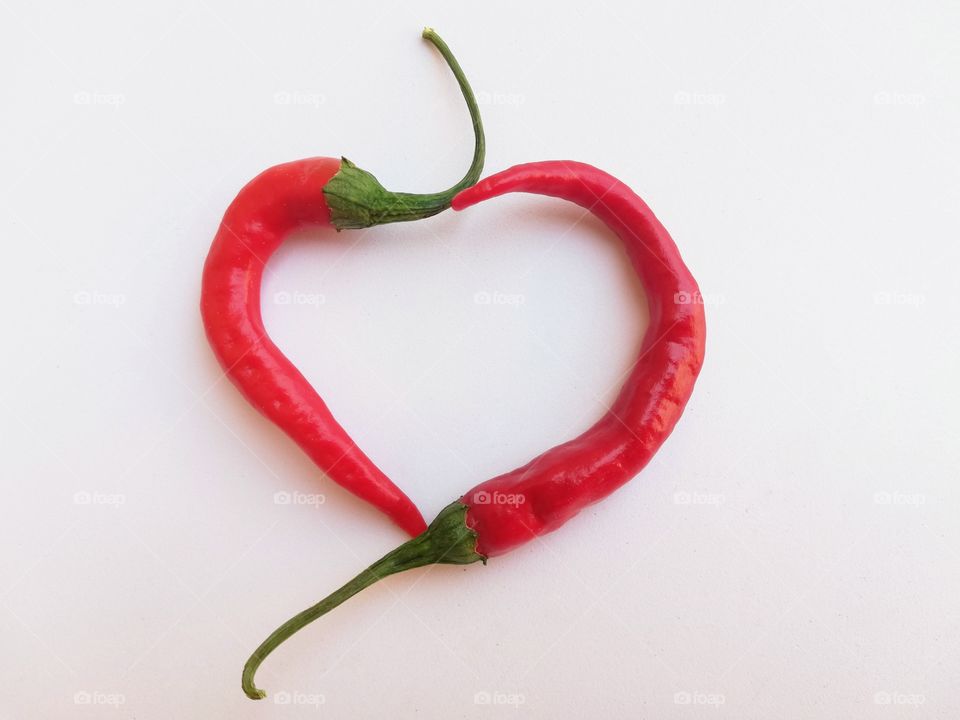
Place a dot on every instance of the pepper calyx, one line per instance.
(357, 199)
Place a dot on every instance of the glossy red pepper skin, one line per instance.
(539, 497)
(276, 202)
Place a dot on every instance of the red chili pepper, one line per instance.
(316, 191)
(539, 497)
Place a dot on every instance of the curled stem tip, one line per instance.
(447, 540)
(357, 199)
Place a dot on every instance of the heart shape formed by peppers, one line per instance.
(508, 510)
(554, 485)
(544, 493)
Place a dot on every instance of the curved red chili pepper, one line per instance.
(539, 497)
(271, 206)
(316, 191)
(546, 492)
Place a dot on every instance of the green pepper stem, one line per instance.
(448, 540)
(357, 199)
(479, 144)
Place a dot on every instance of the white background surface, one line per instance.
(791, 552)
